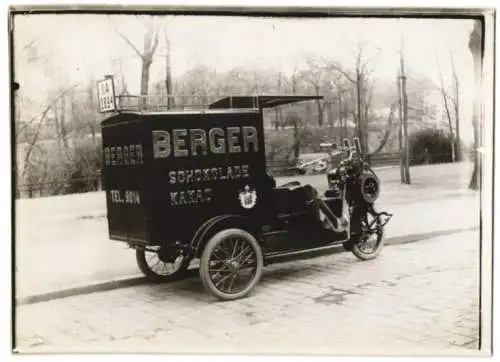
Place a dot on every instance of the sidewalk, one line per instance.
(62, 242)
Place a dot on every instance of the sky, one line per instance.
(88, 45)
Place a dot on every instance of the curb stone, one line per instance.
(135, 280)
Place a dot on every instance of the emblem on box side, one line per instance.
(248, 197)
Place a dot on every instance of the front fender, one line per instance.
(212, 226)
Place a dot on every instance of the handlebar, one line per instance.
(346, 147)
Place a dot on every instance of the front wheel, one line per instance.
(370, 241)
(231, 264)
(157, 270)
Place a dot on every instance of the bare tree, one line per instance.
(359, 77)
(475, 47)
(45, 138)
(342, 99)
(314, 77)
(151, 39)
(32, 139)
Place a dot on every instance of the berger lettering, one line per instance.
(123, 155)
(198, 142)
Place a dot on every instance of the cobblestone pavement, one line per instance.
(418, 298)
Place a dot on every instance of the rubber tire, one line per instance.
(363, 256)
(140, 256)
(205, 262)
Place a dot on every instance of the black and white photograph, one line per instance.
(248, 181)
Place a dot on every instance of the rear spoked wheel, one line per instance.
(231, 264)
(158, 267)
(370, 240)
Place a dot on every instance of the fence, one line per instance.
(163, 102)
(94, 183)
(53, 188)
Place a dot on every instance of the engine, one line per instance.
(361, 181)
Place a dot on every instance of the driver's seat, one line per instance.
(295, 199)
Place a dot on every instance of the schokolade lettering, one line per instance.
(198, 142)
(234, 172)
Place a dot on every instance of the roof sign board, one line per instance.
(106, 95)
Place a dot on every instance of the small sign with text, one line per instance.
(106, 95)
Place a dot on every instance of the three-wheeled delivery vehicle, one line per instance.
(192, 185)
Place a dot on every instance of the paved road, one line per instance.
(418, 298)
(62, 242)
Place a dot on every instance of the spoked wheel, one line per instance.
(231, 264)
(157, 270)
(371, 240)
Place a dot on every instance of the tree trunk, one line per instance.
(145, 76)
(278, 115)
(168, 73)
(456, 88)
(62, 123)
(346, 118)
(406, 138)
(91, 120)
(58, 132)
(400, 132)
(359, 122)
(405, 123)
(296, 141)
(458, 142)
(367, 96)
(475, 47)
(320, 107)
(448, 116)
(341, 117)
(474, 180)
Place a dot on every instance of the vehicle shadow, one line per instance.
(192, 287)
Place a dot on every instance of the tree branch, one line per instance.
(155, 42)
(445, 98)
(387, 132)
(34, 140)
(43, 113)
(341, 71)
(124, 38)
(130, 44)
(29, 45)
